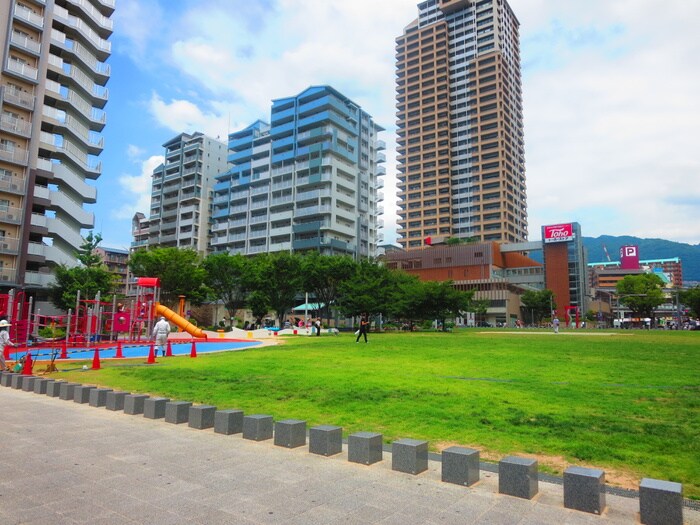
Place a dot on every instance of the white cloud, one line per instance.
(134, 153)
(610, 92)
(137, 189)
(184, 116)
(611, 132)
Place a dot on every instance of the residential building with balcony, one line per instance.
(180, 191)
(461, 164)
(311, 179)
(52, 98)
(117, 262)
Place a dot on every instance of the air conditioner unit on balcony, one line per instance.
(5, 277)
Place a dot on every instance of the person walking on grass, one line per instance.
(364, 327)
(555, 324)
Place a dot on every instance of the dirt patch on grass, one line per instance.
(556, 465)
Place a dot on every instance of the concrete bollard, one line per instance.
(67, 391)
(326, 440)
(154, 407)
(409, 456)
(17, 380)
(53, 389)
(660, 502)
(460, 466)
(133, 403)
(177, 412)
(40, 385)
(201, 416)
(228, 422)
(365, 447)
(28, 383)
(81, 393)
(517, 477)
(290, 433)
(115, 400)
(6, 378)
(584, 489)
(257, 427)
(98, 397)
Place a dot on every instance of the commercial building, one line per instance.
(181, 188)
(308, 180)
(565, 269)
(461, 164)
(52, 95)
(601, 273)
(498, 276)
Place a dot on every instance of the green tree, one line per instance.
(441, 300)
(405, 298)
(479, 307)
(368, 290)
(227, 279)
(538, 304)
(277, 278)
(259, 305)
(323, 275)
(691, 299)
(641, 293)
(179, 270)
(89, 277)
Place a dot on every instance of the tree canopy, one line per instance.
(691, 299)
(538, 304)
(180, 272)
(641, 293)
(228, 279)
(89, 277)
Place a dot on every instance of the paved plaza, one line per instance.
(66, 463)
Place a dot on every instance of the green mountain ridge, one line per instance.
(649, 249)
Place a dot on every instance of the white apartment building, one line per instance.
(180, 193)
(310, 180)
(52, 95)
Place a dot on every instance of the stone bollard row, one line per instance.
(661, 502)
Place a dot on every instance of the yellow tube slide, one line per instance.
(180, 321)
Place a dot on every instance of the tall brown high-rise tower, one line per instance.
(461, 166)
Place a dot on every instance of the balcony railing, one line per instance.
(28, 15)
(18, 98)
(22, 69)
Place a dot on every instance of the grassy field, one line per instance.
(628, 402)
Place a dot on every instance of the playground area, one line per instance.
(98, 329)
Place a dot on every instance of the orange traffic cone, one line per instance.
(193, 352)
(96, 360)
(27, 368)
(169, 350)
(64, 350)
(151, 355)
(120, 354)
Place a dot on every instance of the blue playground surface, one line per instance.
(136, 350)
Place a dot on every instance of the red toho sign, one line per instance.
(559, 233)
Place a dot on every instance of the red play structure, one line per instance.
(93, 324)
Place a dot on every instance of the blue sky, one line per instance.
(610, 98)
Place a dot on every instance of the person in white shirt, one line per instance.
(4, 341)
(160, 333)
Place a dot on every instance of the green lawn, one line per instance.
(627, 402)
